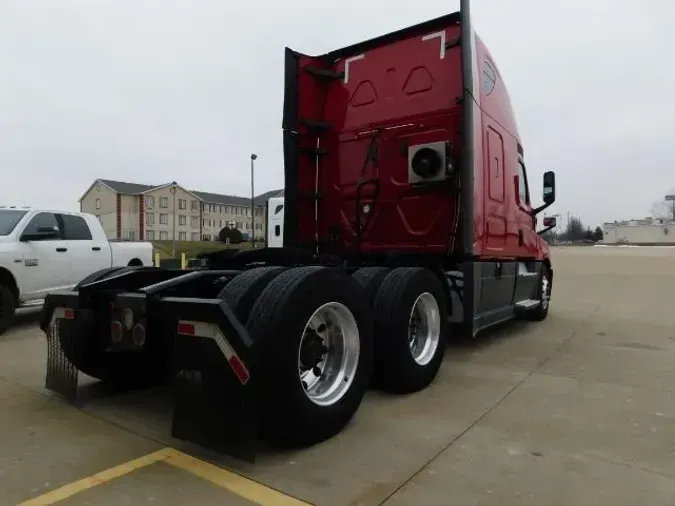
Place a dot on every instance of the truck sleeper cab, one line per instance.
(406, 208)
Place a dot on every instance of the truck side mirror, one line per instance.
(549, 223)
(549, 187)
(549, 191)
(41, 234)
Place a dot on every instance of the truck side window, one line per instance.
(278, 209)
(75, 228)
(41, 220)
(523, 189)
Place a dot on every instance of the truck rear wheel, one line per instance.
(312, 326)
(370, 279)
(242, 292)
(411, 326)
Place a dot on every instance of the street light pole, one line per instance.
(253, 158)
(173, 211)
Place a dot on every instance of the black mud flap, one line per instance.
(215, 402)
(58, 319)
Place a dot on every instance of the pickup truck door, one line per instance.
(46, 261)
(88, 254)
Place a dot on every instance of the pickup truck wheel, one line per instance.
(7, 308)
(242, 292)
(411, 327)
(370, 279)
(544, 287)
(313, 327)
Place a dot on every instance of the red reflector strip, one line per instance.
(239, 369)
(186, 329)
(69, 314)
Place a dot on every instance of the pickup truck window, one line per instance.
(75, 228)
(8, 220)
(41, 220)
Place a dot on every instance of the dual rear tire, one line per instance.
(327, 336)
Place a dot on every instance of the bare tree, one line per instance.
(664, 209)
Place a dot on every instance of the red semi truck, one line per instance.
(407, 208)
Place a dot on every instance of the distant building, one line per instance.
(641, 231)
(131, 211)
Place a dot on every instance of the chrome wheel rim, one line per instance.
(545, 292)
(328, 355)
(424, 328)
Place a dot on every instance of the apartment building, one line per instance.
(131, 211)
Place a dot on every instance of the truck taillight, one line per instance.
(138, 335)
(69, 314)
(116, 331)
(186, 329)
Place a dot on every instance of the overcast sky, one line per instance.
(154, 91)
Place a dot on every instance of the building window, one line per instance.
(164, 235)
(194, 205)
(489, 78)
(163, 219)
(194, 236)
(248, 211)
(150, 235)
(182, 220)
(164, 202)
(182, 236)
(204, 222)
(149, 202)
(258, 226)
(239, 225)
(149, 218)
(227, 209)
(221, 223)
(98, 203)
(206, 237)
(222, 209)
(194, 221)
(182, 204)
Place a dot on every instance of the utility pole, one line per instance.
(253, 159)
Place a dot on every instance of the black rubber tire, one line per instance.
(540, 313)
(242, 292)
(7, 308)
(395, 368)
(370, 279)
(132, 368)
(276, 325)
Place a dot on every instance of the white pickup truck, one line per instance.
(42, 251)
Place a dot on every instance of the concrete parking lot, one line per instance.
(576, 410)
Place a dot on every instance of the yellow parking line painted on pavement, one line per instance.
(71, 489)
(243, 487)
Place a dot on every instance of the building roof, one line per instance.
(209, 198)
